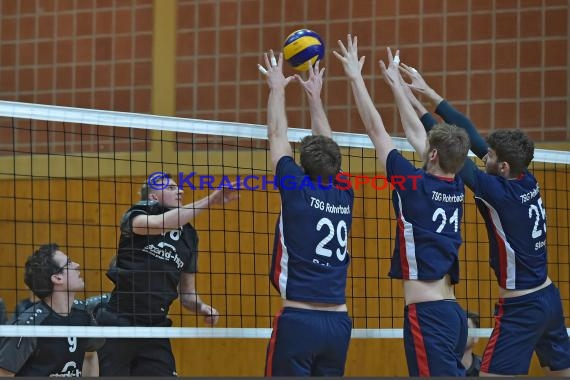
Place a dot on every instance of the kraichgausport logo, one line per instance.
(342, 181)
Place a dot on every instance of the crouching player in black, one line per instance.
(54, 279)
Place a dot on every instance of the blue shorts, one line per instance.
(435, 333)
(533, 322)
(308, 343)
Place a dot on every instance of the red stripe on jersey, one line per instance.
(502, 255)
(271, 348)
(446, 179)
(403, 252)
(277, 267)
(419, 346)
(491, 345)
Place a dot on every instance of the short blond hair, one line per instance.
(452, 145)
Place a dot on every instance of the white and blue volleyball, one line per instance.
(303, 48)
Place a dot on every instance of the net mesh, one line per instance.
(68, 175)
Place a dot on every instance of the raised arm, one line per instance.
(415, 132)
(425, 116)
(452, 116)
(467, 173)
(173, 219)
(446, 111)
(313, 86)
(368, 113)
(276, 117)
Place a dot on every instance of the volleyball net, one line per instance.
(67, 175)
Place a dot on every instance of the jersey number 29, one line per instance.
(341, 237)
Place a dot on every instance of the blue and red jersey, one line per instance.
(310, 252)
(429, 213)
(514, 213)
(515, 218)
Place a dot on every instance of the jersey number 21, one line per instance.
(439, 214)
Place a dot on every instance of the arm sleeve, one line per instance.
(452, 116)
(428, 121)
(469, 173)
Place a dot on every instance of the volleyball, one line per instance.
(303, 48)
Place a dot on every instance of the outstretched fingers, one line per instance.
(349, 56)
(273, 69)
(408, 71)
(349, 42)
(338, 56)
(408, 68)
(390, 57)
(382, 67)
(361, 61)
(280, 61)
(270, 62)
(264, 70)
(266, 59)
(272, 59)
(342, 49)
(314, 70)
(393, 59)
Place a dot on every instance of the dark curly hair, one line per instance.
(513, 147)
(40, 266)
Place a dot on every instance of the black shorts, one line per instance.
(134, 356)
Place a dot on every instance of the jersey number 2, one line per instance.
(341, 236)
